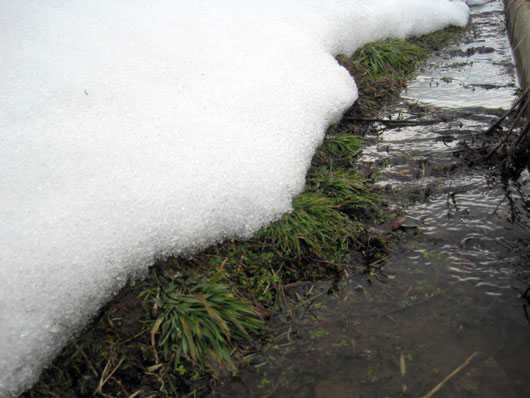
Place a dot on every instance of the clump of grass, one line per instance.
(346, 185)
(200, 320)
(315, 224)
(342, 145)
(381, 69)
(390, 58)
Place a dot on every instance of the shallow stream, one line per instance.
(450, 289)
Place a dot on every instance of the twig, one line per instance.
(524, 295)
(395, 122)
(135, 336)
(508, 112)
(521, 136)
(90, 365)
(373, 265)
(294, 284)
(499, 205)
(451, 375)
(525, 309)
(154, 331)
(123, 389)
(105, 377)
(503, 141)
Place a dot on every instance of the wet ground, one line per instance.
(449, 293)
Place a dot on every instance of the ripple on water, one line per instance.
(478, 73)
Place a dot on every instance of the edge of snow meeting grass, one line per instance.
(250, 275)
(255, 271)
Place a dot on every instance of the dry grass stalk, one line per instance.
(451, 375)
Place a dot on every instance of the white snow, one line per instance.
(137, 129)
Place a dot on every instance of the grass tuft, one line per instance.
(343, 145)
(390, 58)
(346, 185)
(200, 320)
(315, 225)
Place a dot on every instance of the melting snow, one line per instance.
(134, 129)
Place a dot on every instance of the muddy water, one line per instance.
(449, 291)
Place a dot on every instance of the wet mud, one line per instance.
(446, 309)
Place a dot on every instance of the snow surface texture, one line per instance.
(134, 129)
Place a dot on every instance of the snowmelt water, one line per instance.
(132, 130)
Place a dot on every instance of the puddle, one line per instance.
(449, 292)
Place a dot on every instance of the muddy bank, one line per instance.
(518, 22)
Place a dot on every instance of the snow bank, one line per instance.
(137, 129)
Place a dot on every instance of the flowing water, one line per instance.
(450, 289)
